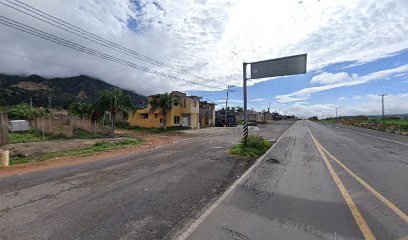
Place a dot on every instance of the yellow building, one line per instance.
(184, 112)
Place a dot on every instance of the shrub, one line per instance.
(24, 112)
(253, 146)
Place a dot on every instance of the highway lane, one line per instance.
(377, 175)
(143, 195)
(311, 195)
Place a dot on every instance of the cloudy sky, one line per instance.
(356, 48)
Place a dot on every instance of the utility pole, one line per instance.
(226, 103)
(336, 112)
(382, 101)
(31, 102)
(49, 102)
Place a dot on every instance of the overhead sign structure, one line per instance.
(279, 67)
(290, 65)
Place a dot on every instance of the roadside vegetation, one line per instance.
(24, 111)
(253, 146)
(114, 100)
(32, 136)
(394, 125)
(86, 151)
(36, 136)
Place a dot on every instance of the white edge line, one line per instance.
(384, 139)
(186, 233)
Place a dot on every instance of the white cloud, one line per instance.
(394, 104)
(341, 98)
(306, 93)
(357, 97)
(229, 100)
(257, 100)
(208, 38)
(330, 78)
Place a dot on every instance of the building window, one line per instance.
(175, 103)
(155, 115)
(145, 115)
(176, 119)
(185, 103)
(195, 103)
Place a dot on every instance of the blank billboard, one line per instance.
(279, 67)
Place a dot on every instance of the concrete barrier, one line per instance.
(4, 158)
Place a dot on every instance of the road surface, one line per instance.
(318, 182)
(145, 195)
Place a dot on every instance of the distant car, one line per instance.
(220, 121)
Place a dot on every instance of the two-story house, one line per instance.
(184, 112)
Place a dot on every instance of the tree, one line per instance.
(24, 112)
(80, 108)
(163, 102)
(239, 109)
(114, 101)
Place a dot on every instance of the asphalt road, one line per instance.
(302, 190)
(145, 195)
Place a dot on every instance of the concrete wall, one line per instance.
(66, 126)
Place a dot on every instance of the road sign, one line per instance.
(272, 68)
(279, 67)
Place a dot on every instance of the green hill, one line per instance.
(63, 91)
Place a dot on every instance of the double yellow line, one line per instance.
(362, 224)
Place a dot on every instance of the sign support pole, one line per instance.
(245, 100)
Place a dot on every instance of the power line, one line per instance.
(38, 60)
(63, 25)
(47, 36)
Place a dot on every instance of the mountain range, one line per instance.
(60, 92)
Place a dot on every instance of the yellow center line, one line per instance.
(362, 224)
(380, 197)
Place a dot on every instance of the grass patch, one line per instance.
(32, 136)
(253, 146)
(86, 151)
(82, 134)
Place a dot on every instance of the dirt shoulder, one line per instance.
(150, 141)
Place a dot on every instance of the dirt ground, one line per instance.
(33, 148)
(151, 141)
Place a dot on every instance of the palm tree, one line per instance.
(114, 101)
(164, 103)
(80, 108)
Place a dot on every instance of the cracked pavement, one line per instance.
(290, 194)
(141, 195)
